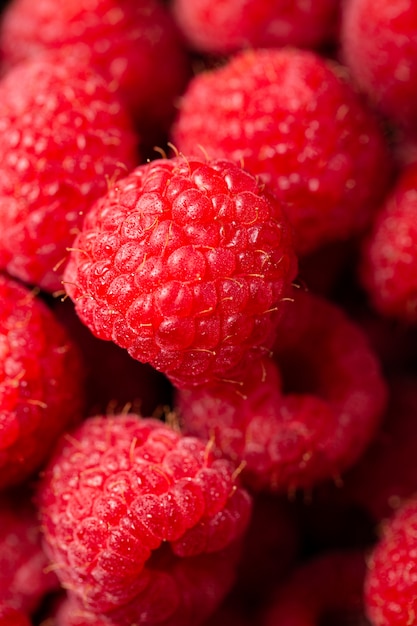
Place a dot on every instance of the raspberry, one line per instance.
(324, 590)
(12, 617)
(116, 490)
(63, 134)
(24, 580)
(391, 582)
(292, 119)
(379, 43)
(319, 426)
(225, 26)
(41, 382)
(389, 267)
(184, 263)
(134, 44)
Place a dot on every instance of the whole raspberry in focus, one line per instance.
(379, 45)
(327, 589)
(185, 264)
(41, 382)
(125, 501)
(63, 136)
(224, 26)
(389, 257)
(312, 427)
(24, 576)
(133, 43)
(391, 581)
(292, 119)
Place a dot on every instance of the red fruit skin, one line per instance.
(318, 424)
(24, 579)
(13, 617)
(328, 587)
(116, 490)
(63, 136)
(41, 382)
(135, 45)
(184, 263)
(379, 45)
(293, 119)
(223, 27)
(389, 257)
(391, 581)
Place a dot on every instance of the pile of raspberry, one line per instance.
(208, 313)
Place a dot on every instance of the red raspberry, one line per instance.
(185, 264)
(24, 578)
(325, 590)
(135, 44)
(379, 42)
(391, 582)
(115, 491)
(12, 617)
(40, 382)
(290, 117)
(389, 270)
(63, 136)
(323, 422)
(224, 26)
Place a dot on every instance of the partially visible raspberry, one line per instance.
(135, 44)
(391, 581)
(13, 617)
(185, 264)
(120, 488)
(63, 137)
(333, 399)
(224, 26)
(293, 120)
(325, 590)
(41, 382)
(24, 577)
(379, 44)
(389, 267)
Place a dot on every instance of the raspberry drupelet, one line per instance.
(184, 263)
(41, 382)
(224, 26)
(314, 426)
(292, 118)
(124, 502)
(389, 256)
(63, 136)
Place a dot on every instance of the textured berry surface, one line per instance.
(41, 382)
(291, 118)
(315, 426)
(391, 582)
(379, 42)
(325, 590)
(185, 264)
(63, 136)
(389, 270)
(134, 44)
(116, 490)
(223, 26)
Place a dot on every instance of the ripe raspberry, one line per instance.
(116, 490)
(314, 430)
(185, 264)
(291, 118)
(24, 580)
(134, 44)
(63, 135)
(391, 582)
(325, 590)
(379, 43)
(389, 268)
(12, 617)
(225, 26)
(40, 382)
